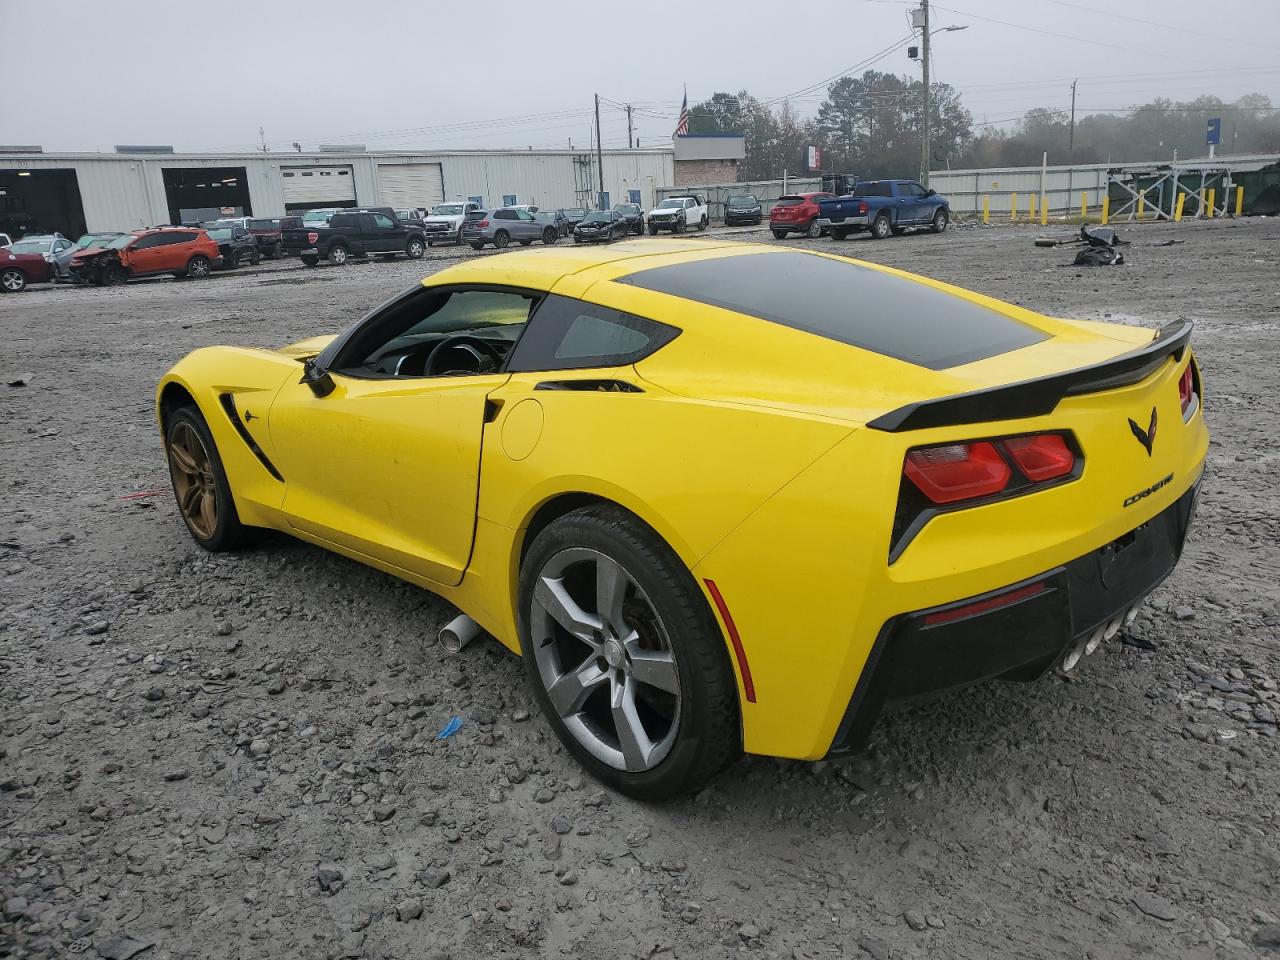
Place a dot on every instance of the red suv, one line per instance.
(181, 251)
(797, 213)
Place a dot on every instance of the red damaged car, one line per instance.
(19, 269)
(797, 213)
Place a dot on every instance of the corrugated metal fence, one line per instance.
(766, 191)
(1062, 187)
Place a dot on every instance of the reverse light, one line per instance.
(1187, 391)
(1044, 456)
(957, 471)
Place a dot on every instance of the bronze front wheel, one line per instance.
(193, 484)
(200, 483)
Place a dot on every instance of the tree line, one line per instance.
(870, 126)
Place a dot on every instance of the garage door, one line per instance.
(319, 185)
(410, 184)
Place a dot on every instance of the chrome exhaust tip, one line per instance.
(1114, 625)
(1095, 640)
(458, 632)
(1072, 657)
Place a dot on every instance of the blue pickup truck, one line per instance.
(884, 207)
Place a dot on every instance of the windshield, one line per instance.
(317, 216)
(446, 210)
(576, 212)
(599, 216)
(31, 246)
(262, 224)
(670, 204)
(220, 233)
(628, 208)
(742, 201)
(120, 242)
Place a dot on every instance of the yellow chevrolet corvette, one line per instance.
(720, 496)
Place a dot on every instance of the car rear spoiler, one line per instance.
(1034, 398)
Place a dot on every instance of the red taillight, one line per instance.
(985, 605)
(313, 237)
(482, 224)
(862, 207)
(1186, 389)
(1044, 456)
(957, 471)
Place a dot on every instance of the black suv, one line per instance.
(632, 215)
(235, 244)
(742, 209)
(365, 232)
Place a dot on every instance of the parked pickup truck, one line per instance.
(374, 231)
(884, 207)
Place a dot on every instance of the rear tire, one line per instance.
(839, 233)
(881, 228)
(189, 443)
(779, 234)
(549, 236)
(310, 259)
(501, 239)
(13, 280)
(689, 728)
(813, 231)
(414, 249)
(940, 221)
(198, 267)
(255, 258)
(477, 246)
(338, 255)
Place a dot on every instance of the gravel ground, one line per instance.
(235, 756)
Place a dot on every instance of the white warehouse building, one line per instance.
(142, 186)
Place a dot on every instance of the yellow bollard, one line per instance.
(1209, 212)
(1031, 208)
(1106, 209)
(1013, 206)
(1239, 200)
(1142, 202)
(986, 209)
(1044, 210)
(1177, 209)
(1084, 205)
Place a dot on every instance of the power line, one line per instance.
(1200, 34)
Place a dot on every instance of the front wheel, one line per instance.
(310, 259)
(625, 656)
(414, 249)
(702, 224)
(653, 231)
(255, 258)
(679, 227)
(197, 269)
(940, 221)
(881, 229)
(813, 231)
(501, 239)
(200, 483)
(549, 236)
(13, 280)
(231, 262)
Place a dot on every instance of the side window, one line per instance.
(400, 340)
(504, 214)
(568, 334)
(344, 221)
(384, 222)
(525, 215)
(147, 242)
(180, 237)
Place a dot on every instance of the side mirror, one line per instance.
(931, 192)
(317, 378)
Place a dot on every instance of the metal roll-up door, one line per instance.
(402, 185)
(319, 186)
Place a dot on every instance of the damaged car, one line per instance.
(180, 251)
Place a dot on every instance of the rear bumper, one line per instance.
(1016, 632)
(857, 221)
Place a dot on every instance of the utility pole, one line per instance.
(599, 156)
(629, 143)
(1071, 138)
(924, 123)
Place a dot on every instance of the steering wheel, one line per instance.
(478, 347)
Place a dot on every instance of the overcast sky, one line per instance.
(86, 74)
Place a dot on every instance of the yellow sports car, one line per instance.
(720, 496)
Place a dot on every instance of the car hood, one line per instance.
(454, 219)
(88, 252)
(309, 347)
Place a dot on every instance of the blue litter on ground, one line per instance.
(450, 728)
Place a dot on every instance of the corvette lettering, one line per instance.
(1143, 494)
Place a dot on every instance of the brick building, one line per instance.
(708, 158)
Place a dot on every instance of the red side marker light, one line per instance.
(985, 605)
(748, 687)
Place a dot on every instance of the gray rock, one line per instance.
(223, 629)
(561, 825)
(383, 812)
(1155, 906)
(329, 877)
(435, 877)
(915, 920)
(1267, 936)
(276, 686)
(749, 932)
(1217, 929)
(1183, 613)
(96, 628)
(154, 694)
(121, 947)
(875, 948)
(408, 910)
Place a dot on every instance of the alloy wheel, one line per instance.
(604, 659)
(13, 280)
(193, 482)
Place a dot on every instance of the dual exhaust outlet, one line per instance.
(1087, 645)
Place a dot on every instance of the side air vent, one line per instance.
(229, 406)
(594, 386)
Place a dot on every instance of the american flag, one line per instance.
(682, 125)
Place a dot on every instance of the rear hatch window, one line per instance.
(477, 214)
(848, 303)
(789, 201)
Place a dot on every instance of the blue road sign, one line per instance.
(1213, 133)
